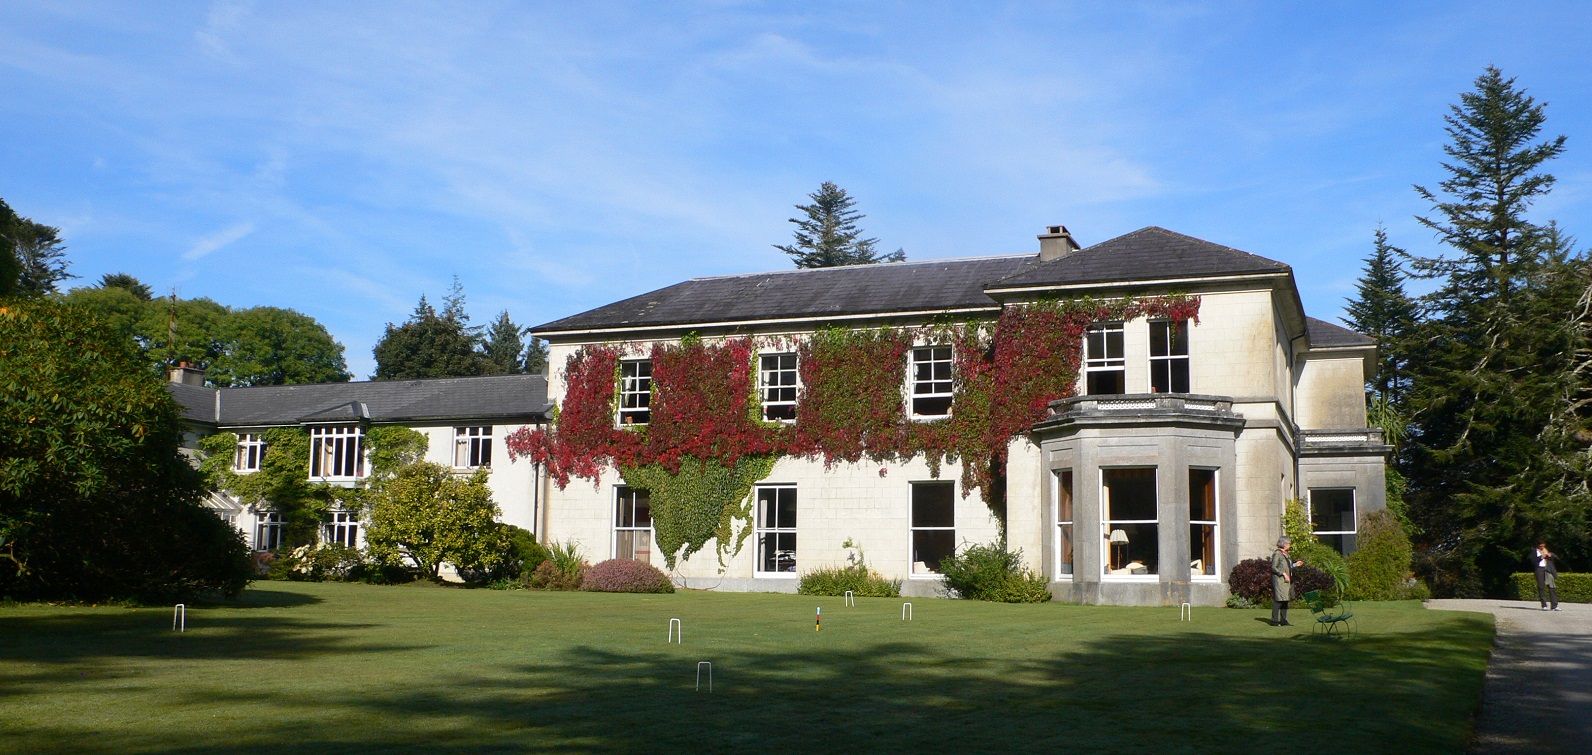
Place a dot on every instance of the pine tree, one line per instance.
(430, 345)
(829, 236)
(1384, 312)
(504, 345)
(1491, 364)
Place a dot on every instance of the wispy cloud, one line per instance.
(205, 246)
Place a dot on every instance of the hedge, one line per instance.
(1573, 588)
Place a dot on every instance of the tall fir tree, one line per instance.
(1383, 311)
(504, 345)
(1491, 363)
(829, 237)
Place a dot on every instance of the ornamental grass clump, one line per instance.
(564, 569)
(991, 572)
(626, 575)
(854, 576)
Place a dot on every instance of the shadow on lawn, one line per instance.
(1182, 692)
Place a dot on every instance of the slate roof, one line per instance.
(1151, 253)
(927, 286)
(198, 402)
(492, 397)
(1324, 334)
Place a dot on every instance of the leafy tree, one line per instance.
(1492, 366)
(429, 345)
(1384, 312)
(236, 347)
(829, 236)
(124, 280)
(96, 501)
(32, 256)
(504, 345)
(427, 516)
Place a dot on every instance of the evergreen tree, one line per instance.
(127, 282)
(1384, 312)
(32, 257)
(829, 236)
(504, 345)
(1492, 364)
(431, 345)
(536, 356)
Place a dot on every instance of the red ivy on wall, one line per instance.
(851, 406)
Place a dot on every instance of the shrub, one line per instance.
(520, 555)
(625, 575)
(860, 580)
(1573, 587)
(1379, 568)
(854, 576)
(564, 569)
(991, 572)
(1251, 580)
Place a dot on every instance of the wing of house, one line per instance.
(464, 421)
(1170, 464)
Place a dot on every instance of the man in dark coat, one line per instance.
(1547, 576)
(1282, 566)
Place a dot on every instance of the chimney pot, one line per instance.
(187, 374)
(1056, 242)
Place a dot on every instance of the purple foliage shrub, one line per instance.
(1251, 579)
(626, 575)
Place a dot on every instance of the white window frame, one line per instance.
(937, 388)
(913, 528)
(779, 529)
(341, 528)
(268, 530)
(1215, 523)
(778, 386)
(1175, 334)
(621, 493)
(1107, 524)
(249, 453)
(1103, 363)
(333, 448)
(1354, 510)
(1062, 481)
(635, 393)
(472, 447)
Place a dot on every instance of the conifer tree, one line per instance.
(1491, 364)
(829, 236)
(504, 345)
(1384, 312)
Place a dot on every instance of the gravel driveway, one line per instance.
(1538, 695)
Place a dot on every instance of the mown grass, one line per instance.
(334, 667)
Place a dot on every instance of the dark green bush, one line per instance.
(1573, 587)
(1379, 568)
(991, 572)
(563, 569)
(860, 580)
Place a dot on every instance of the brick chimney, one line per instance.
(1056, 242)
(187, 374)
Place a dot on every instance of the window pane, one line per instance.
(929, 547)
(1064, 496)
(1202, 546)
(933, 505)
(1130, 494)
(1064, 547)
(1140, 554)
(1202, 495)
(1332, 510)
(1106, 383)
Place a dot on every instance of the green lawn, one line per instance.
(354, 667)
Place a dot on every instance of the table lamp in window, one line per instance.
(1118, 537)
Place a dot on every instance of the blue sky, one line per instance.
(342, 159)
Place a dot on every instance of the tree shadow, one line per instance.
(1183, 692)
